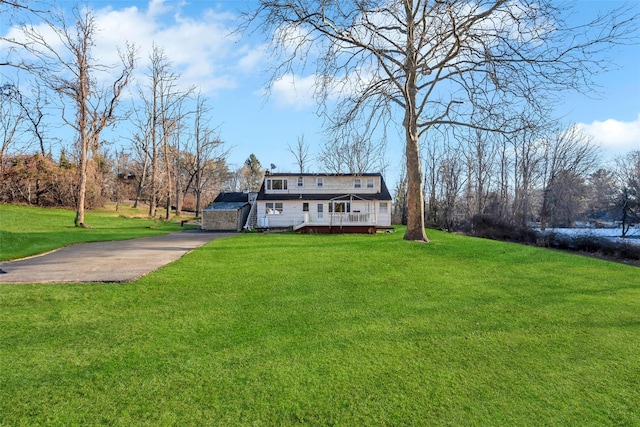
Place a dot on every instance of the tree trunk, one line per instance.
(82, 187)
(143, 177)
(415, 198)
(415, 202)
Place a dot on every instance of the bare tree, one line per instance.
(72, 73)
(300, 153)
(162, 112)
(400, 200)
(603, 191)
(206, 154)
(141, 143)
(527, 157)
(479, 150)
(11, 120)
(333, 156)
(569, 156)
(436, 63)
(355, 155)
(628, 171)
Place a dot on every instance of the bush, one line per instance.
(488, 227)
(39, 181)
(592, 245)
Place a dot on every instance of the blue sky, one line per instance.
(230, 70)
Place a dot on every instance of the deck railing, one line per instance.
(350, 218)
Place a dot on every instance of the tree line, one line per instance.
(551, 177)
(173, 158)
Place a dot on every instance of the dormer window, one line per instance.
(276, 184)
(369, 182)
(320, 182)
(357, 183)
(300, 181)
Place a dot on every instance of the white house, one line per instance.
(323, 203)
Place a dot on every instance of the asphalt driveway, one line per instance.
(117, 261)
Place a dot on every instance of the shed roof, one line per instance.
(226, 206)
(232, 196)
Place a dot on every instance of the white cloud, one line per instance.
(296, 91)
(203, 50)
(614, 136)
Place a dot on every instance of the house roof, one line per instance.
(282, 174)
(383, 194)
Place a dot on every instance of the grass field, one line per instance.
(26, 231)
(285, 329)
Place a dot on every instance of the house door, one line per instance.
(320, 215)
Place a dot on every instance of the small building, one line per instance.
(228, 212)
(322, 203)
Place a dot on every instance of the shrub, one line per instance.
(590, 244)
(488, 227)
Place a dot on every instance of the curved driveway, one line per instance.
(115, 261)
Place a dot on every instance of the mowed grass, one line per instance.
(285, 329)
(26, 231)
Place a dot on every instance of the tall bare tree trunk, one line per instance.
(415, 197)
(83, 138)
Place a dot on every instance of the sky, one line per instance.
(231, 70)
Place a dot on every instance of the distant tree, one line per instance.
(569, 157)
(564, 199)
(207, 160)
(301, 154)
(161, 99)
(603, 191)
(354, 154)
(252, 173)
(628, 171)
(527, 155)
(479, 150)
(11, 121)
(400, 200)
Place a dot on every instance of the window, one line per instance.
(300, 181)
(340, 207)
(276, 184)
(369, 182)
(274, 208)
(357, 183)
(320, 182)
(305, 207)
(384, 207)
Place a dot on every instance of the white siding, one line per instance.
(331, 185)
(292, 213)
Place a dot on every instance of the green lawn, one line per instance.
(356, 330)
(26, 231)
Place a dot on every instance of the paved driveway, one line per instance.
(118, 261)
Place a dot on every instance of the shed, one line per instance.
(228, 212)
